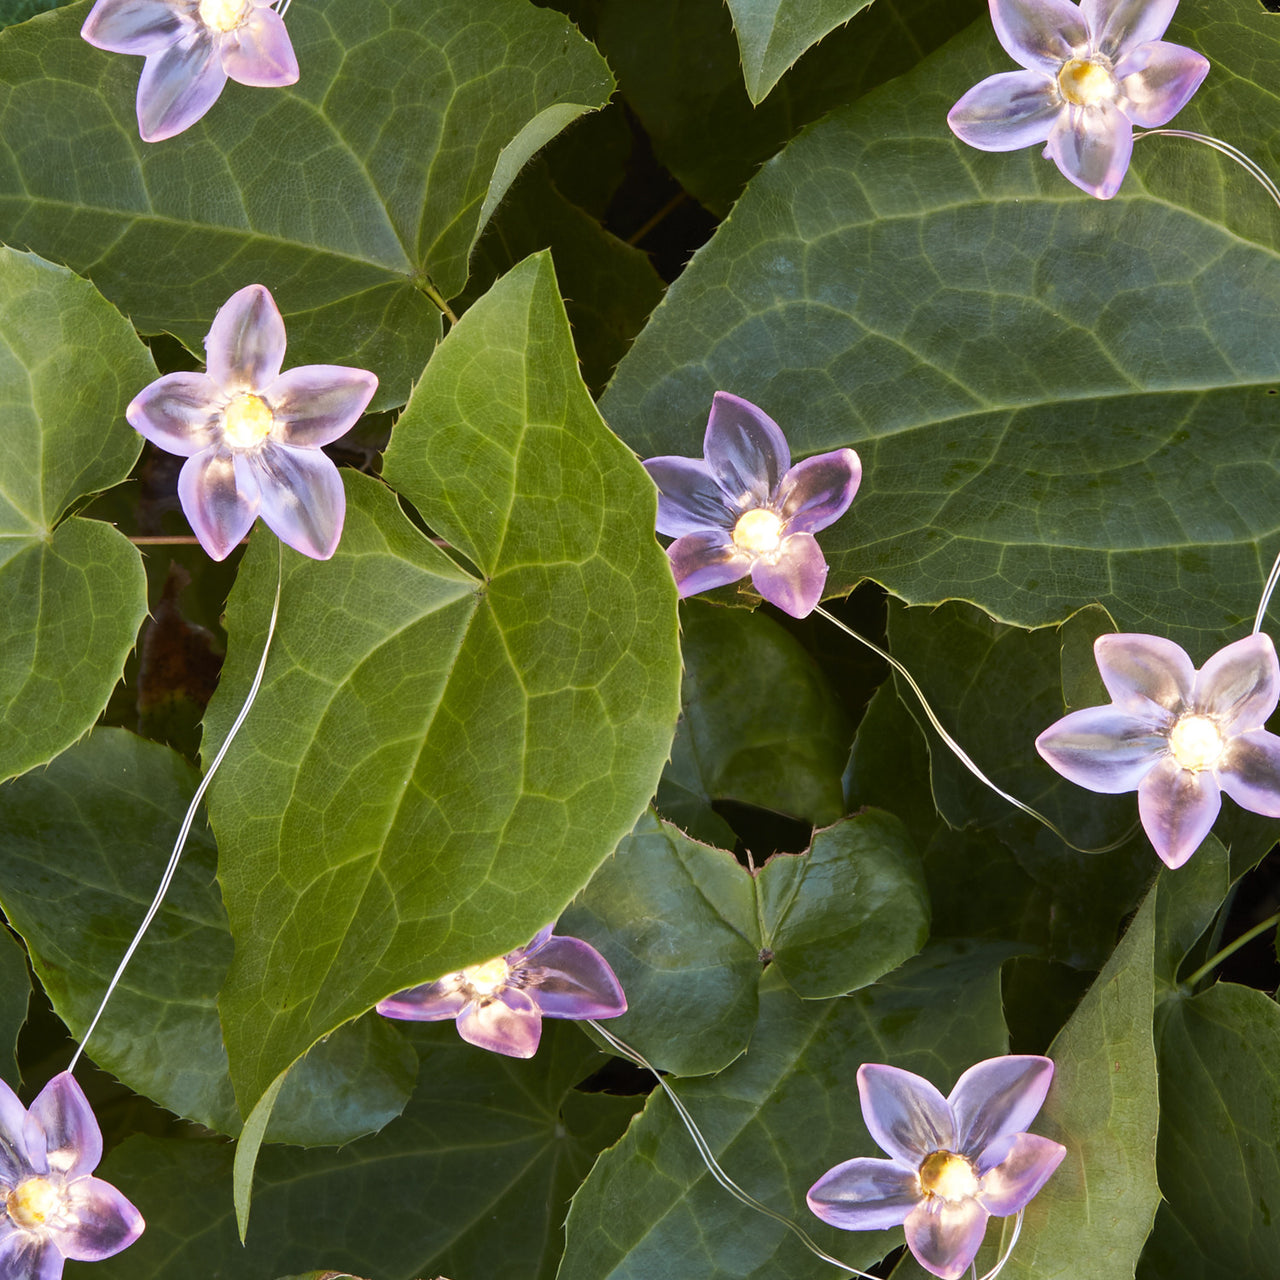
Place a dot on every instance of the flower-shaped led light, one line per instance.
(743, 508)
(500, 1004)
(954, 1162)
(1177, 736)
(52, 1209)
(252, 435)
(1093, 71)
(191, 48)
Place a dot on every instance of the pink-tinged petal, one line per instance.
(745, 450)
(105, 1221)
(1006, 112)
(303, 501)
(1091, 147)
(997, 1098)
(509, 1024)
(15, 1158)
(540, 940)
(135, 26)
(1140, 669)
(1240, 685)
(571, 979)
(245, 345)
(178, 85)
(1249, 772)
(1011, 1184)
(689, 499)
(1104, 749)
(944, 1236)
(316, 403)
(795, 580)
(1177, 809)
(259, 52)
(24, 1256)
(219, 512)
(73, 1141)
(430, 1002)
(865, 1195)
(1157, 81)
(1039, 34)
(179, 412)
(701, 561)
(904, 1113)
(818, 491)
(1118, 25)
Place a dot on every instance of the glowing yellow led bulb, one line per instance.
(758, 532)
(246, 421)
(488, 978)
(31, 1202)
(1085, 84)
(948, 1176)
(1196, 743)
(223, 15)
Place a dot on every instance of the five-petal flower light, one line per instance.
(1177, 736)
(954, 1163)
(743, 508)
(52, 1208)
(500, 1004)
(252, 435)
(191, 48)
(1092, 72)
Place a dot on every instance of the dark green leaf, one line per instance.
(1186, 903)
(13, 11)
(15, 990)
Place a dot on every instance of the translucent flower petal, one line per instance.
(1249, 772)
(689, 499)
(571, 979)
(944, 1236)
(245, 345)
(73, 1141)
(1011, 1184)
(509, 1024)
(997, 1098)
(259, 52)
(1105, 749)
(218, 512)
(1119, 25)
(303, 501)
(135, 26)
(315, 404)
(1140, 669)
(818, 491)
(1177, 809)
(178, 85)
(745, 450)
(795, 580)
(865, 1195)
(15, 1160)
(1006, 112)
(704, 560)
(1240, 684)
(1157, 81)
(105, 1222)
(1039, 34)
(27, 1257)
(540, 939)
(430, 1002)
(178, 412)
(904, 1113)
(1091, 146)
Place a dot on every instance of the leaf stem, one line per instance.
(1230, 949)
(438, 298)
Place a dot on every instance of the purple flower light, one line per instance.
(1177, 736)
(1093, 71)
(191, 47)
(500, 1004)
(52, 1208)
(955, 1161)
(252, 435)
(743, 508)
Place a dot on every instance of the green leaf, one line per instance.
(14, 11)
(74, 589)
(110, 807)
(15, 991)
(1014, 361)
(776, 1120)
(461, 752)
(352, 195)
(772, 34)
(1186, 905)
(473, 1180)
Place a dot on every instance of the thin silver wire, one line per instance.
(167, 879)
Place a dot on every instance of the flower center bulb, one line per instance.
(947, 1175)
(1085, 84)
(31, 1202)
(758, 532)
(1196, 743)
(488, 978)
(246, 421)
(223, 15)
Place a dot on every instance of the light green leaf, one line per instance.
(352, 195)
(461, 752)
(74, 589)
